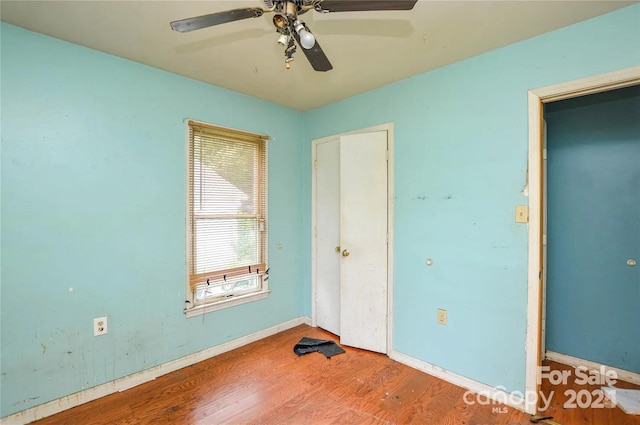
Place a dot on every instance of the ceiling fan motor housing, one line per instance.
(290, 10)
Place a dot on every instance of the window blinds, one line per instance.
(226, 209)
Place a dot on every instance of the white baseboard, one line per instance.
(486, 391)
(126, 382)
(307, 321)
(623, 375)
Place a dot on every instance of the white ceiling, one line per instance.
(367, 49)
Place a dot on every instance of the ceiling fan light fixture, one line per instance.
(283, 39)
(280, 21)
(307, 40)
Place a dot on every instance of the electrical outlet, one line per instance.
(99, 326)
(442, 316)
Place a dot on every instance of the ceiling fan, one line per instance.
(289, 26)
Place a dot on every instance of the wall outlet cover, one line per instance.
(442, 316)
(99, 326)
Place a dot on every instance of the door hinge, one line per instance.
(315, 164)
(544, 153)
(544, 240)
(386, 155)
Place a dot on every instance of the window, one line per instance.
(226, 218)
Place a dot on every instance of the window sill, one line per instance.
(230, 302)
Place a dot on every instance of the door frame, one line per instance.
(388, 127)
(537, 209)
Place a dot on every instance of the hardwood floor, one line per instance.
(600, 411)
(266, 383)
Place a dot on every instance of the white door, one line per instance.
(363, 240)
(328, 236)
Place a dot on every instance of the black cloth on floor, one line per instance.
(309, 345)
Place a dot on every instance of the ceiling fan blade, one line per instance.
(315, 56)
(364, 5)
(190, 24)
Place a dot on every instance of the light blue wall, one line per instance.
(460, 167)
(93, 198)
(593, 198)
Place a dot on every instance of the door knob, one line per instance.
(337, 249)
(631, 262)
(345, 253)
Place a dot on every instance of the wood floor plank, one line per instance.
(265, 383)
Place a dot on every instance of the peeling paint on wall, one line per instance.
(525, 189)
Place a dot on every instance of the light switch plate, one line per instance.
(522, 214)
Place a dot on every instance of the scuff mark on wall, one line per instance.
(26, 400)
(44, 348)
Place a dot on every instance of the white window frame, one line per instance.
(192, 306)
